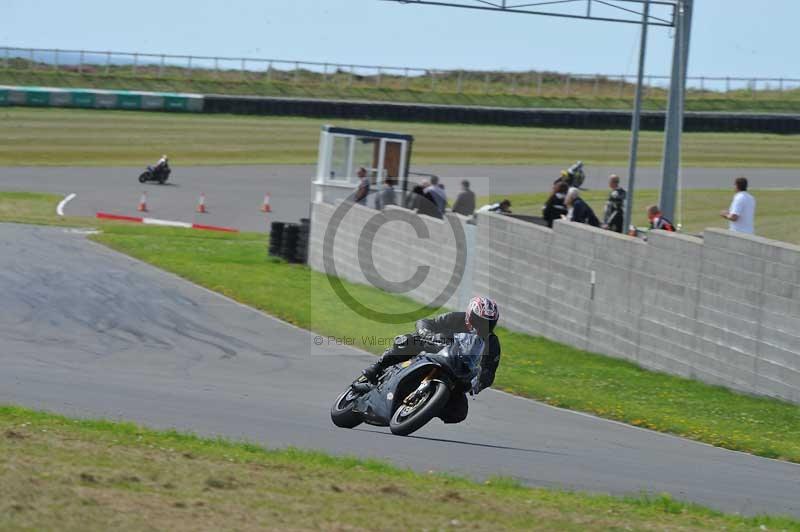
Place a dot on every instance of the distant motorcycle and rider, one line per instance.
(427, 373)
(159, 172)
(574, 176)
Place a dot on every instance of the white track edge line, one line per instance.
(63, 203)
(169, 223)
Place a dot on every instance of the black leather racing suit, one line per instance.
(615, 210)
(447, 326)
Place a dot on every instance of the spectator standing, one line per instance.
(363, 186)
(504, 207)
(465, 201)
(657, 220)
(578, 210)
(614, 213)
(387, 195)
(742, 212)
(555, 207)
(438, 195)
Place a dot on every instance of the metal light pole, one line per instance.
(674, 120)
(637, 113)
(668, 13)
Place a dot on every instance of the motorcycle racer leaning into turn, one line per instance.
(480, 319)
(162, 162)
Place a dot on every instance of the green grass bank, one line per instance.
(76, 137)
(523, 91)
(69, 474)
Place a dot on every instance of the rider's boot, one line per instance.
(372, 372)
(401, 350)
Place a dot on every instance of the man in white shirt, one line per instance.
(742, 212)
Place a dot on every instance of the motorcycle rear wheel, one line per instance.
(408, 419)
(342, 413)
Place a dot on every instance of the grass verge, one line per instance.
(499, 93)
(34, 208)
(237, 265)
(777, 216)
(75, 137)
(67, 474)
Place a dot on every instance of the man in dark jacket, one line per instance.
(480, 318)
(615, 206)
(465, 202)
(554, 208)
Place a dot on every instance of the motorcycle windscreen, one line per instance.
(466, 350)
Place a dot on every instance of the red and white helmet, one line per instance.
(482, 315)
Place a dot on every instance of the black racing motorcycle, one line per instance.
(159, 174)
(408, 395)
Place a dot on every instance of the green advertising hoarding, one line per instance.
(100, 99)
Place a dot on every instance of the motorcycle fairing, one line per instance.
(379, 404)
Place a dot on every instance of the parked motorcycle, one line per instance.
(408, 395)
(159, 174)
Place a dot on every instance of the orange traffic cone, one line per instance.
(143, 203)
(265, 206)
(201, 204)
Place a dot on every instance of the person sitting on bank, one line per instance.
(503, 207)
(578, 210)
(465, 201)
(658, 220)
(555, 208)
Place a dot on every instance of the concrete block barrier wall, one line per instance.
(724, 309)
(395, 248)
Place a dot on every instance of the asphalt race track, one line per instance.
(234, 194)
(89, 332)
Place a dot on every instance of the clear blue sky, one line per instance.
(730, 37)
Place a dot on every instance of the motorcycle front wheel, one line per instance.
(143, 177)
(409, 418)
(342, 413)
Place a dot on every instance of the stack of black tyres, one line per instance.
(302, 240)
(290, 241)
(291, 233)
(276, 239)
